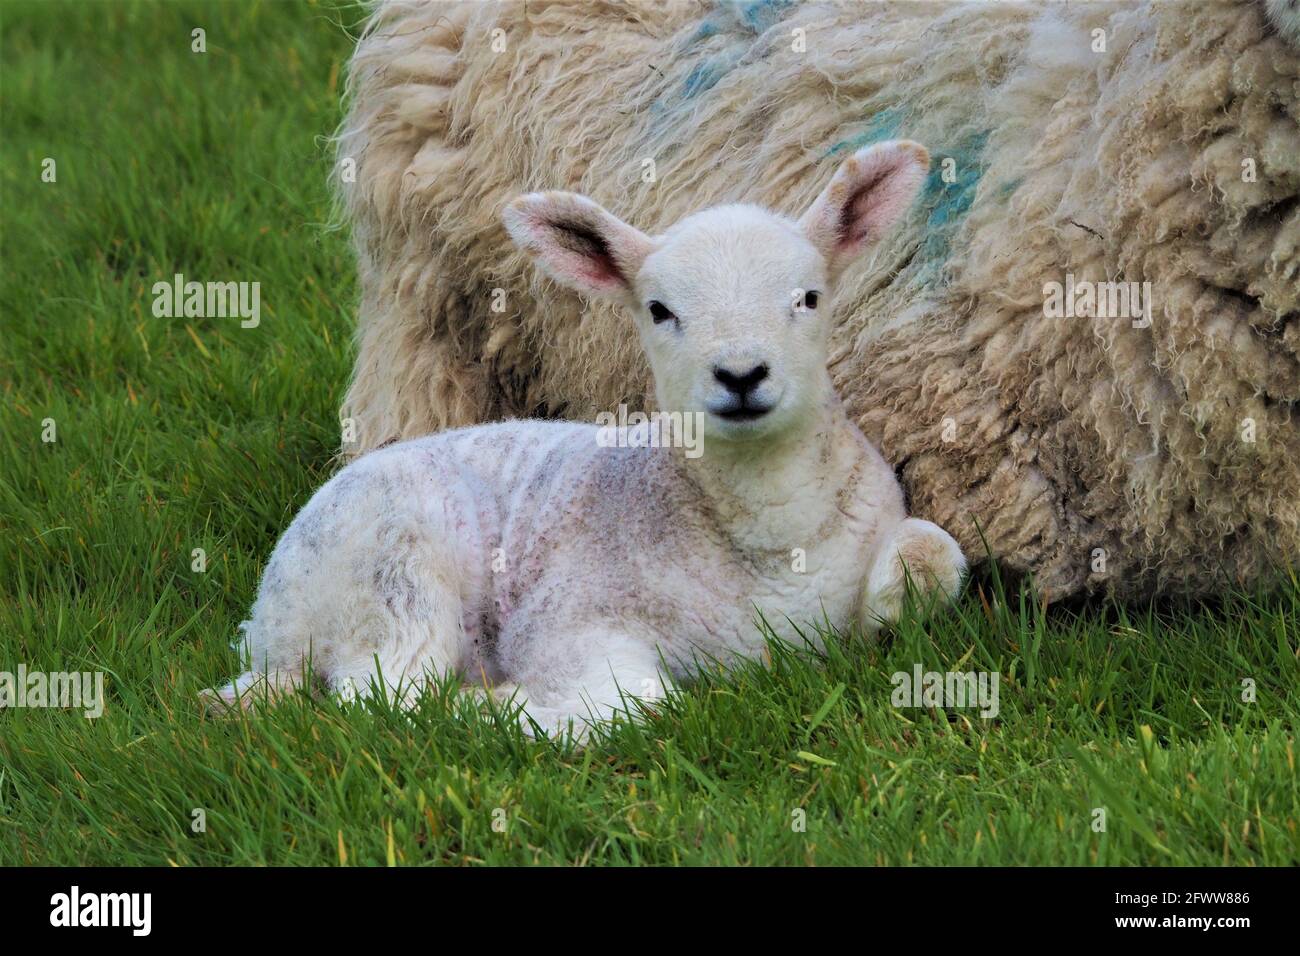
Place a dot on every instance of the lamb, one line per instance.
(1074, 143)
(576, 567)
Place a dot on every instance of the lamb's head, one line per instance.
(733, 303)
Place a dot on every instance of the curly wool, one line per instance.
(1096, 455)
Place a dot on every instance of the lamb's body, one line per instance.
(527, 553)
(581, 565)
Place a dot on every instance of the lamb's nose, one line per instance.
(742, 383)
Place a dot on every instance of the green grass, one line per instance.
(176, 434)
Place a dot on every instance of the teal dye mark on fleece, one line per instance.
(727, 19)
(750, 16)
(759, 16)
(949, 202)
(884, 125)
(707, 29)
(754, 16)
(701, 79)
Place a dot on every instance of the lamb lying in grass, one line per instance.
(581, 568)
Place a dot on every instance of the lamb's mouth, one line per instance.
(743, 413)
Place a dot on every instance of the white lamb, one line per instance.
(579, 569)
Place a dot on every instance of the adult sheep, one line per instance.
(1153, 144)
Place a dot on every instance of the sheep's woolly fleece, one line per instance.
(1096, 454)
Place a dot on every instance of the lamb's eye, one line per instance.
(810, 300)
(660, 313)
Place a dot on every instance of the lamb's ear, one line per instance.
(867, 195)
(577, 243)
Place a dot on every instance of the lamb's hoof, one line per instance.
(498, 693)
(920, 555)
(244, 693)
(223, 702)
(934, 560)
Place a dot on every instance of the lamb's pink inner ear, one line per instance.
(591, 256)
(868, 194)
(577, 243)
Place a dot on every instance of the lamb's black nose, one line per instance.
(740, 384)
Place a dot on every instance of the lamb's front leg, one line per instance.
(595, 676)
(917, 549)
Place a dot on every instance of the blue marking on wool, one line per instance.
(757, 16)
(761, 15)
(707, 29)
(884, 125)
(753, 16)
(948, 202)
(1006, 189)
(701, 79)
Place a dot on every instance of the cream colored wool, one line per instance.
(1097, 455)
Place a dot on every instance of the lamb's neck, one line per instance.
(776, 495)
